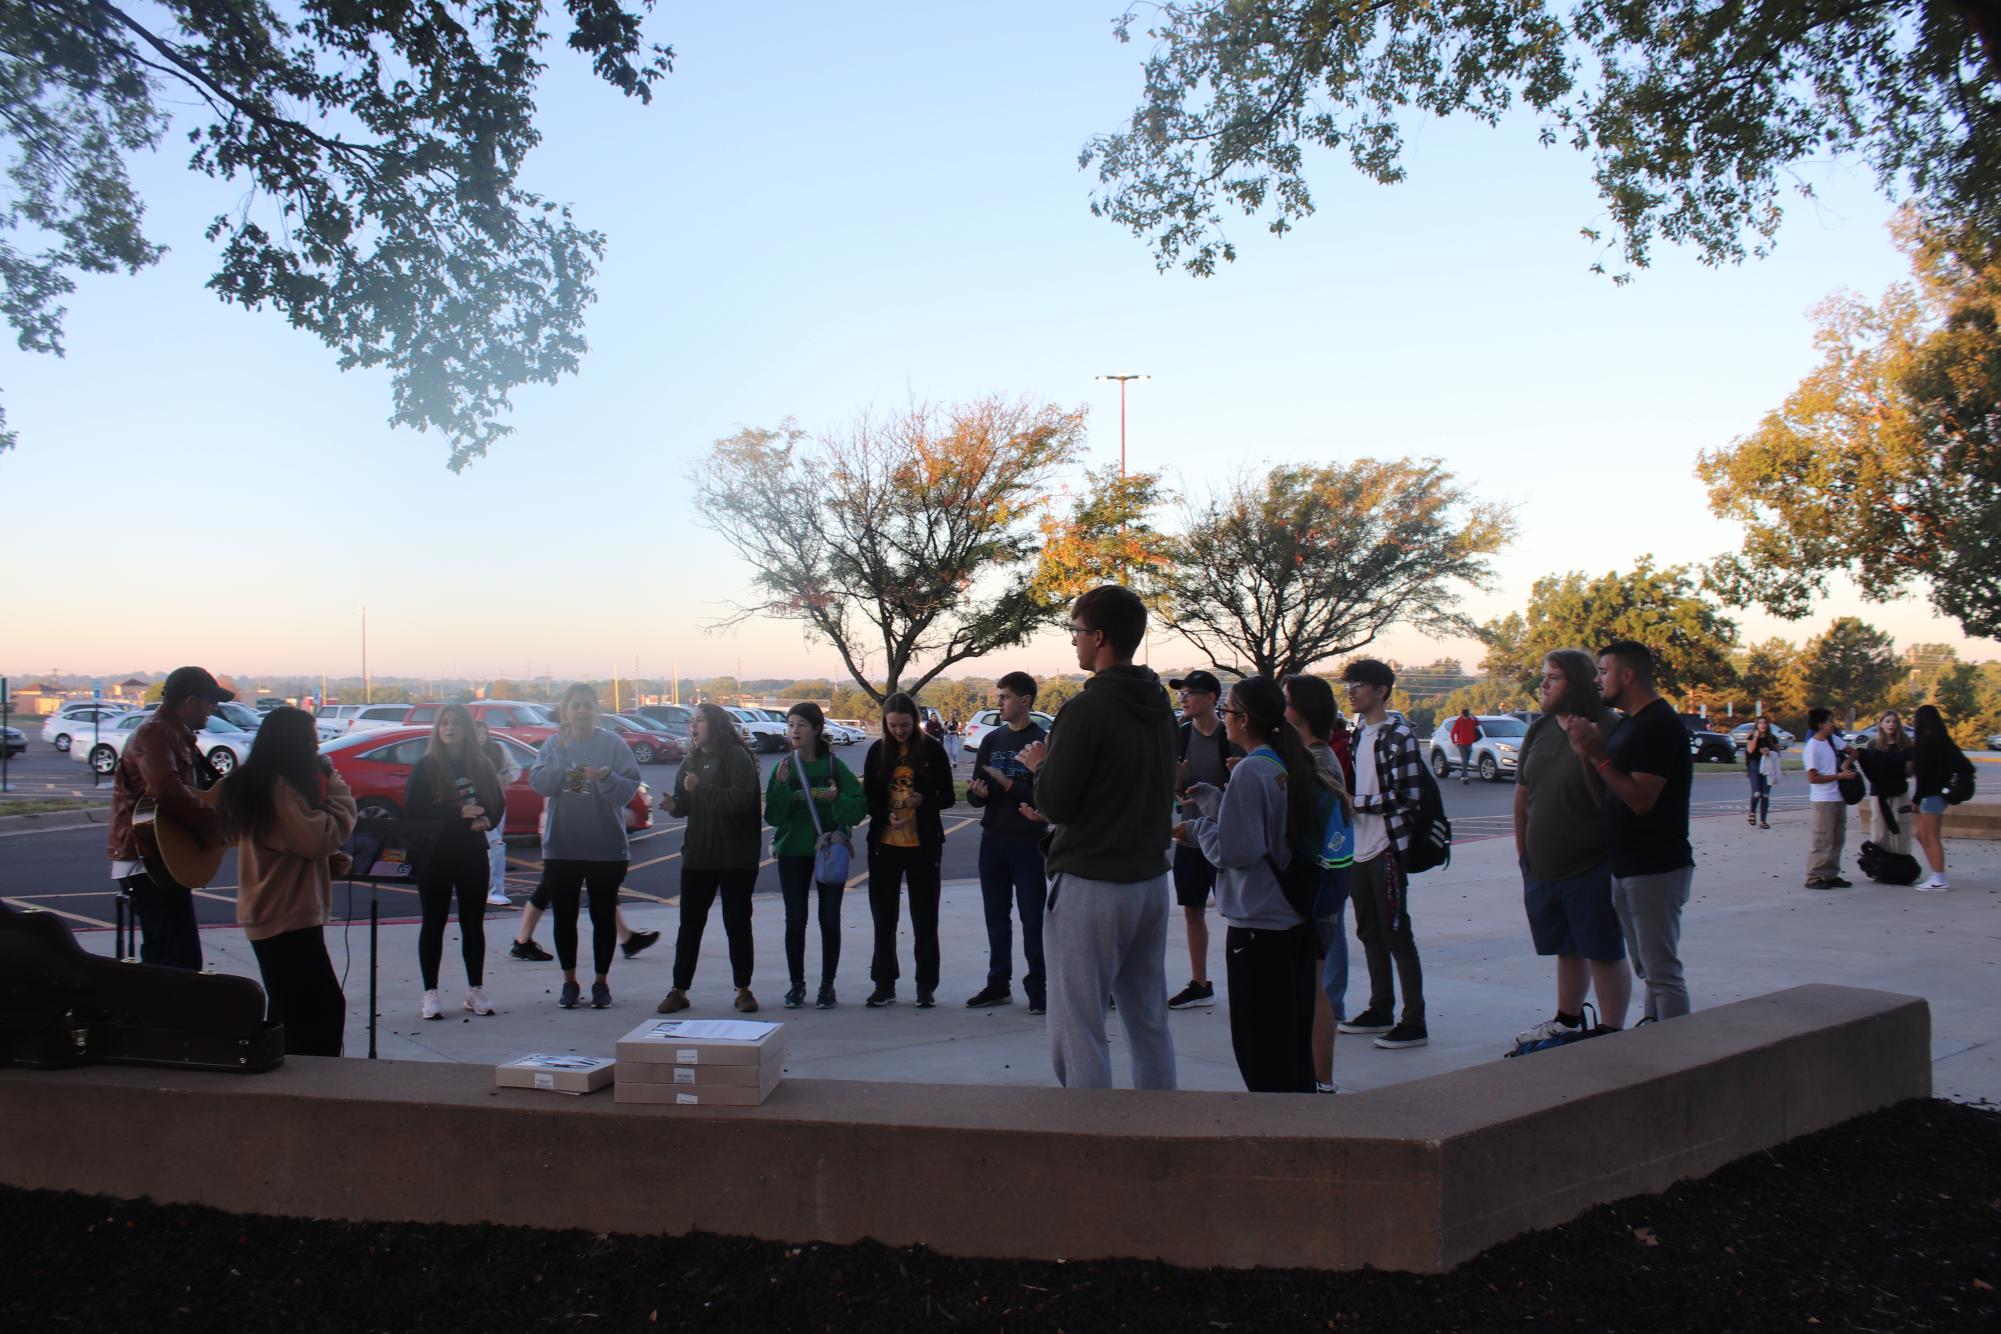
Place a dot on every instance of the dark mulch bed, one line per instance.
(1892, 1221)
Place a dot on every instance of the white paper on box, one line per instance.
(702, 1042)
(718, 1030)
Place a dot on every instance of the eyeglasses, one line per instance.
(1223, 711)
(1076, 630)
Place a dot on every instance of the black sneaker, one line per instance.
(1193, 996)
(567, 998)
(1368, 1021)
(826, 999)
(881, 996)
(1404, 1035)
(1838, 883)
(1037, 1005)
(600, 996)
(795, 997)
(638, 941)
(990, 996)
(1820, 884)
(925, 1000)
(530, 951)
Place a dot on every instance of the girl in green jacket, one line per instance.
(837, 795)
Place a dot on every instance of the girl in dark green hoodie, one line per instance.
(837, 796)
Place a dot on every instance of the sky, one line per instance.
(829, 209)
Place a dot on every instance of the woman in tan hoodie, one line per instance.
(289, 814)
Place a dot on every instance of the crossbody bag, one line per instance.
(833, 852)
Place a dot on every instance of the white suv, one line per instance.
(757, 731)
(1497, 752)
(986, 720)
(73, 721)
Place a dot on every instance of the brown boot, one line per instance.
(674, 1001)
(745, 1001)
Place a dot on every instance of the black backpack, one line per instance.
(1430, 832)
(1959, 785)
(1886, 867)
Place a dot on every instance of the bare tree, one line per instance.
(1276, 574)
(903, 540)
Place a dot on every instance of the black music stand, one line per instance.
(388, 851)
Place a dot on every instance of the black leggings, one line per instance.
(795, 882)
(304, 992)
(888, 868)
(698, 894)
(1271, 977)
(462, 875)
(568, 880)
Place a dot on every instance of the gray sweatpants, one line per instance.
(1101, 938)
(1649, 908)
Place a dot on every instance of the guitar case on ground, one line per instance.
(1886, 867)
(60, 1006)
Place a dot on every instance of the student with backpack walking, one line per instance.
(1253, 835)
(1389, 781)
(811, 794)
(1943, 777)
(1206, 752)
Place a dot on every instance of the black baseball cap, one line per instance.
(185, 681)
(1197, 680)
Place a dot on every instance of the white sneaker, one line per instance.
(434, 1008)
(1935, 885)
(497, 898)
(477, 1002)
(1548, 1028)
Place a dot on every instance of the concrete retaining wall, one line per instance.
(1418, 1176)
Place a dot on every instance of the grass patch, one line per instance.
(51, 805)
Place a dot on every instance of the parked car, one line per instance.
(503, 717)
(1497, 752)
(1994, 742)
(1705, 746)
(377, 766)
(14, 741)
(241, 714)
(840, 734)
(71, 721)
(648, 746)
(1740, 736)
(673, 746)
(757, 731)
(364, 717)
(223, 743)
(986, 720)
(676, 718)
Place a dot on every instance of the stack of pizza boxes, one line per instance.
(700, 1062)
(559, 1073)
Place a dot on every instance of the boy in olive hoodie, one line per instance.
(1105, 781)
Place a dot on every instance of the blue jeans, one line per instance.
(1761, 794)
(1011, 879)
(1334, 964)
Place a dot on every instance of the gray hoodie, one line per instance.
(1236, 828)
(586, 824)
(1107, 784)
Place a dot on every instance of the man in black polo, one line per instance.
(1205, 753)
(1644, 772)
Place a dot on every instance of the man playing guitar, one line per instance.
(162, 769)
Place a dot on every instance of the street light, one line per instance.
(1122, 378)
(366, 696)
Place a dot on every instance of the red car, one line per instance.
(377, 766)
(524, 722)
(649, 744)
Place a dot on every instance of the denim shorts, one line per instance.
(1932, 805)
(1574, 916)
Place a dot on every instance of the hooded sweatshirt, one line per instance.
(584, 819)
(1107, 784)
(1236, 829)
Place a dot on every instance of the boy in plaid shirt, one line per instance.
(1387, 788)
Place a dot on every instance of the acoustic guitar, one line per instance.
(171, 851)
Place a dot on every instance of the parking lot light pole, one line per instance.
(366, 696)
(1123, 377)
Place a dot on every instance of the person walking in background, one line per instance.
(1643, 772)
(716, 793)
(908, 783)
(1250, 835)
(586, 775)
(1761, 766)
(1309, 707)
(162, 765)
(1465, 731)
(1562, 842)
(454, 787)
(809, 794)
(1939, 765)
(1388, 787)
(1206, 754)
(1828, 761)
(953, 732)
(289, 814)
(1105, 780)
(1011, 876)
(1886, 764)
(506, 770)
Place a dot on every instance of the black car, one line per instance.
(15, 741)
(1705, 746)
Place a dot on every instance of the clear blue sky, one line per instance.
(833, 208)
